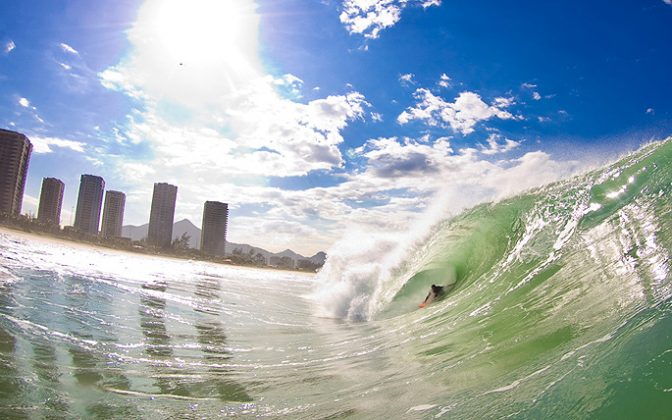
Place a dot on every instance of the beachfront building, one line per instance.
(161, 217)
(113, 214)
(15, 149)
(51, 201)
(89, 202)
(213, 232)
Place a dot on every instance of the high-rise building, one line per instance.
(161, 217)
(51, 200)
(213, 234)
(15, 149)
(89, 201)
(113, 214)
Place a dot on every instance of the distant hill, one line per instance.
(137, 233)
(185, 226)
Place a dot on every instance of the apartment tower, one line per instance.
(113, 214)
(51, 201)
(161, 217)
(89, 202)
(213, 234)
(15, 149)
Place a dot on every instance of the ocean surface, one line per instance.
(559, 306)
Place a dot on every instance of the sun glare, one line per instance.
(194, 52)
(200, 32)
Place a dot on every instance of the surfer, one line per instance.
(434, 293)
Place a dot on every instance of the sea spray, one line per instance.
(355, 269)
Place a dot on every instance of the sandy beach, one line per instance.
(45, 238)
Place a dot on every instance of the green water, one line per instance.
(559, 307)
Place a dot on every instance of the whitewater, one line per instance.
(559, 306)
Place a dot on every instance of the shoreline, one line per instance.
(56, 240)
(78, 244)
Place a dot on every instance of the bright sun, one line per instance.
(201, 32)
(194, 52)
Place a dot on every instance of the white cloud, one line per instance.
(75, 74)
(429, 171)
(407, 79)
(651, 110)
(667, 2)
(68, 49)
(113, 79)
(44, 144)
(376, 117)
(369, 17)
(393, 164)
(496, 146)
(531, 86)
(284, 232)
(136, 169)
(9, 47)
(94, 161)
(28, 109)
(502, 102)
(444, 81)
(461, 115)
(388, 158)
(255, 125)
(295, 138)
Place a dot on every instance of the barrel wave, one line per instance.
(558, 305)
(564, 290)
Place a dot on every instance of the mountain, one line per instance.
(185, 226)
(291, 254)
(137, 233)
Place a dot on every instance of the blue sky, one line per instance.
(312, 118)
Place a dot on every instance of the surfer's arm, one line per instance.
(427, 300)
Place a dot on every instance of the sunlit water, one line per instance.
(89, 332)
(561, 307)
